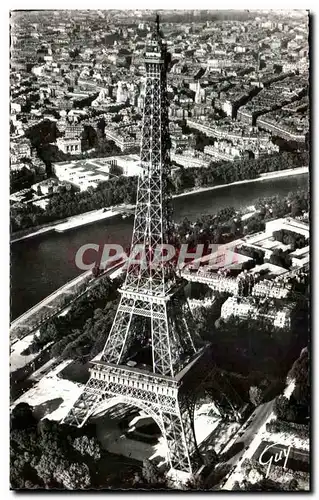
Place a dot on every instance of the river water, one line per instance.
(41, 265)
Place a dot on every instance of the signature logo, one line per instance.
(279, 455)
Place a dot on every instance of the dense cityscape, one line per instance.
(188, 131)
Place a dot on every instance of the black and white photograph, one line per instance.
(160, 288)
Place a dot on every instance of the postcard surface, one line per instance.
(160, 236)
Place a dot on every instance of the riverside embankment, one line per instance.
(103, 213)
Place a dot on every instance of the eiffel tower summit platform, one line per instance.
(153, 314)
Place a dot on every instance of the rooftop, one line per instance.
(300, 252)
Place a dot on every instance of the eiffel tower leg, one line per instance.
(181, 442)
(183, 319)
(92, 396)
(118, 341)
(187, 406)
(162, 355)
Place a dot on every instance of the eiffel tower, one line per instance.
(152, 313)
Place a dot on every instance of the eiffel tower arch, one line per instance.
(152, 314)
(158, 397)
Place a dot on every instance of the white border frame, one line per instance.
(4, 184)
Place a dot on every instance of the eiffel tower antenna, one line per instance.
(152, 318)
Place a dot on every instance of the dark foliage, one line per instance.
(222, 172)
(297, 408)
(286, 237)
(49, 455)
(82, 332)
(66, 203)
(300, 430)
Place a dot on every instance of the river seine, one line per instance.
(41, 265)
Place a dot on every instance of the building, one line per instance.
(90, 172)
(20, 148)
(263, 240)
(244, 308)
(199, 94)
(103, 99)
(203, 125)
(246, 116)
(20, 196)
(126, 137)
(69, 146)
(268, 271)
(189, 161)
(129, 164)
(200, 110)
(82, 173)
(270, 289)
(41, 202)
(300, 257)
(122, 94)
(223, 150)
(235, 139)
(178, 112)
(37, 162)
(230, 99)
(269, 99)
(179, 141)
(46, 187)
(288, 224)
(216, 281)
(237, 307)
(219, 64)
(15, 107)
(73, 131)
(289, 126)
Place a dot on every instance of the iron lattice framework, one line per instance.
(151, 299)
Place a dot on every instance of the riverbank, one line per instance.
(97, 215)
(76, 221)
(68, 288)
(266, 176)
(101, 213)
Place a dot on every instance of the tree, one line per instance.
(44, 455)
(293, 485)
(280, 258)
(255, 395)
(195, 483)
(149, 472)
(296, 208)
(117, 119)
(254, 225)
(48, 465)
(237, 486)
(88, 446)
(281, 407)
(29, 485)
(22, 417)
(75, 476)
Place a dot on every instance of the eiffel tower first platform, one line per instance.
(152, 313)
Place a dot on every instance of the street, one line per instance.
(234, 450)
